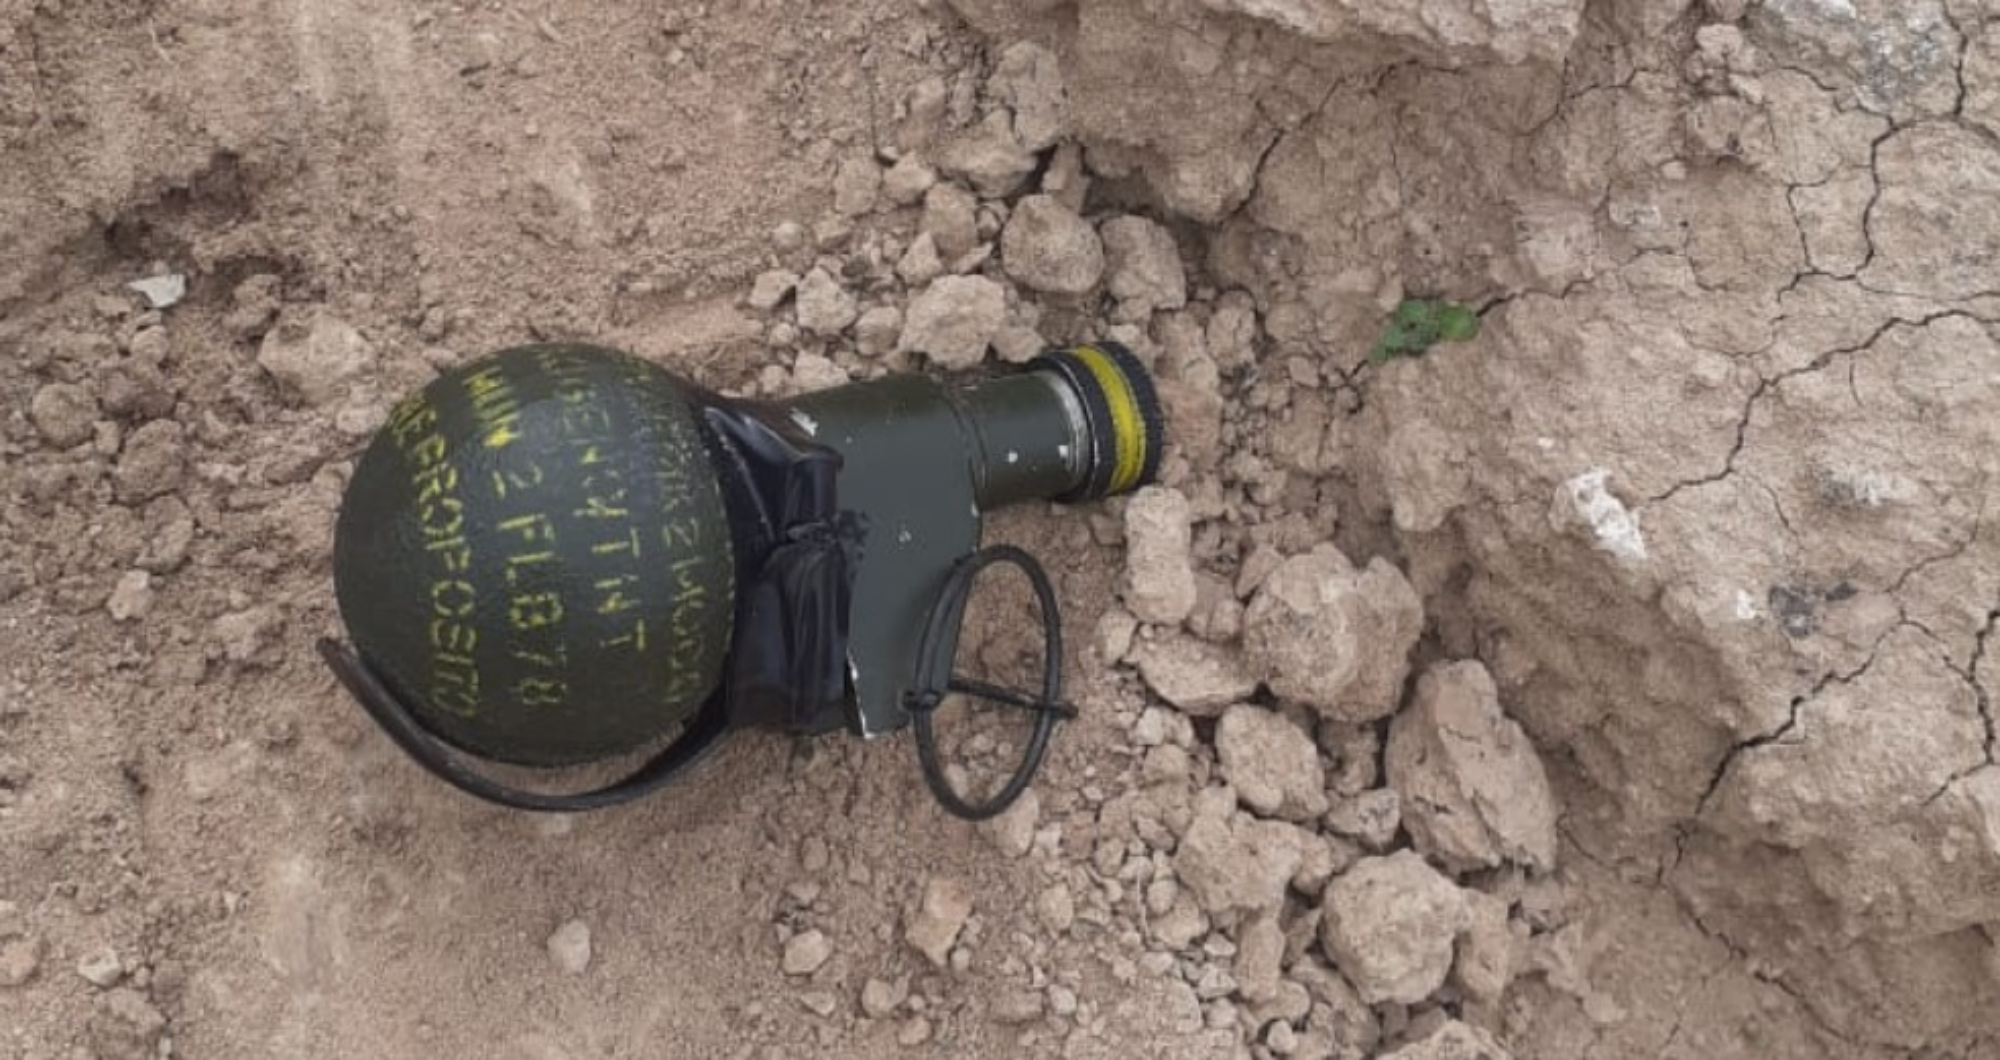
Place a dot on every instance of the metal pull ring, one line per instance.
(934, 680)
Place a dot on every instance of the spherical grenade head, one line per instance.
(534, 555)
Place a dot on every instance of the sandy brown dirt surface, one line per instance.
(1613, 684)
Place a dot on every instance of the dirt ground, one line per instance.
(1611, 684)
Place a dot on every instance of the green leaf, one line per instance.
(1416, 312)
(1418, 323)
(1457, 323)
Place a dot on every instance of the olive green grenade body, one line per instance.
(535, 551)
(563, 554)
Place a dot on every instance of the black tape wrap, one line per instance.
(1122, 412)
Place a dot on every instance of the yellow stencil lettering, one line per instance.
(555, 658)
(635, 640)
(455, 688)
(443, 518)
(436, 481)
(452, 598)
(453, 638)
(534, 610)
(534, 529)
(630, 543)
(541, 691)
(411, 415)
(685, 533)
(430, 452)
(612, 598)
(509, 480)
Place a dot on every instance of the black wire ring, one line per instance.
(934, 679)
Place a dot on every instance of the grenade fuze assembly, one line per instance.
(560, 555)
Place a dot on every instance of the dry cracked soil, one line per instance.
(1612, 683)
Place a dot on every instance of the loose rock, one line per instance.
(825, 307)
(1062, 1000)
(64, 413)
(813, 854)
(1159, 573)
(771, 288)
(1340, 1011)
(814, 371)
(1055, 907)
(1389, 924)
(876, 331)
(1115, 629)
(1260, 954)
(1232, 861)
(820, 1003)
(1335, 639)
(1182, 923)
(1475, 794)
(855, 185)
(880, 998)
(989, 156)
(153, 462)
(1016, 1005)
(126, 1026)
(1019, 344)
(1273, 766)
(1049, 248)
(1158, 725)
(101, 968)
(135, 389)
(1013, 831)
(246, 636)
(1484, 964)
(169, 535)
(907, 181)
(806, 951)
(163, 291)
(1028, 81)
(953, 321)
(932, 931)
(132, 597)
(315, 357)
(1198, 677)
(1371, 818)
(951, 220)
(920, 264)
(1453, 1041)
(20, 957)
(256, 306)
(1143, 267)
(569, 947)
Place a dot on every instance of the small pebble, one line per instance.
(789, 235)
(132, 598)
(880, 998)
(806, 952)
(19, 958)
(819, 1002)
(936, 922)
(101, 968)
(1062, 1000)
(161, 292)
(813, 854)
(1055, 907)
(569, 947)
